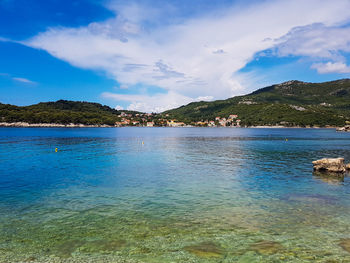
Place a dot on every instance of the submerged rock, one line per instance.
(345, 244)
(329, 177)
(102, 246)
(312, 198)
(65, 249)
(333, 165)
(205, 250)
(30, 259)
(266, 247)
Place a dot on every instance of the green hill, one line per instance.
(292, 103)
(61, 112)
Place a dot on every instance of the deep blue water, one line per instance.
(164, 194)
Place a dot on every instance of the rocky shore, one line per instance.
(344, 129)
(55, 125)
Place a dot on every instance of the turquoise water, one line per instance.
(183, 195)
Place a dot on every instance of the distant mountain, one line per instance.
(292, 103)
(62, 112)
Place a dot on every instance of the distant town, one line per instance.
(156, 120)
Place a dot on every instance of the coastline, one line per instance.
(72, 125)
(292, 127)
(50, 125)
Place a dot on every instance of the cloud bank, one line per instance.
(199, 57)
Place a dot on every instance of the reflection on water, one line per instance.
(185, 195)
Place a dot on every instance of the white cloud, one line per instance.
(18, 79)
(204, 98)
(3, 39)
(330, 67)
(316, 40)
(123, 86)
(23, 80)
(199, 57)
(156, 103)
(118, 107)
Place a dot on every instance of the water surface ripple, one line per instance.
(183, 195)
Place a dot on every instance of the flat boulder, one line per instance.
(332, 165)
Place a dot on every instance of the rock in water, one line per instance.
(348, 167)
(333, 165)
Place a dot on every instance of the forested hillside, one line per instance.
(292, 103)
(62, 112)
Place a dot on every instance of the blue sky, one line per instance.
(155, 55)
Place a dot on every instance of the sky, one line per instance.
(153, 55)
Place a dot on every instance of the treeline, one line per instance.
(291, 103)
(60, 112)
(266, 114)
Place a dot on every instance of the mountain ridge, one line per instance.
(291, 103)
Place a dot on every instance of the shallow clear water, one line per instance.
(184, 195)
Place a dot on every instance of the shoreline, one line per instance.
(50, 125)
(72, 125)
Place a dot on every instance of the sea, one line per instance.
(161, 195)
